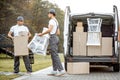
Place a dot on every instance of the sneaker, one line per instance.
(60, 73)
(15, 72)
(28, 73)
(53, 73)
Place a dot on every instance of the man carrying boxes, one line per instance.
(53, 30)
(20, 38)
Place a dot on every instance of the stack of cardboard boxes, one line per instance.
(80, 48)
(79, 40)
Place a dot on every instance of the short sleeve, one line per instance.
(51, 22)
(12, 29)
(27, 29)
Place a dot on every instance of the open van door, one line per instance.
(66, 34)
(66, 30)
(116, 24)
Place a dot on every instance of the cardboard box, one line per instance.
(94, 51)
(79, 43)
(107, 46)
(79, 24)
(20, 46)
(78, 68)
(79, 29)
(23, 33)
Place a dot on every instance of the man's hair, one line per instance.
(52, 11)
(53, 14)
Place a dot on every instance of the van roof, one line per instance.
(90, 14)
(107, 18)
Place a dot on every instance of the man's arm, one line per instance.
(10, 35)
(46, 32)
(29, 34)
(58, 31)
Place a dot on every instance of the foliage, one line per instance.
(35, 14)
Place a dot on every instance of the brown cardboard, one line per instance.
(94, 51)
(79, 29)
(79, 43)
(20, 45)
(23, 33)
(79, 24)
(107, 46)
(78, 68)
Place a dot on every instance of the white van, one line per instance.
(109, 28)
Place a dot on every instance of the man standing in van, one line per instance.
(15, 30)
(53, 30)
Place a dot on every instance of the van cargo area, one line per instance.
(107, 30)
(75, 49)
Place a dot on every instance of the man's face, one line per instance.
(20, 22)
(49, 15)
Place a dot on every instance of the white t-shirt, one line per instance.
(55, 24)
(16, 29)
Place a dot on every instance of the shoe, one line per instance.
(28, 73)
(52, 73)
(15, 72)
(60, 73)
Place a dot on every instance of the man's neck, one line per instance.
(53, 17)
(19, 24)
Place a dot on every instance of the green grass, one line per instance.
(40, 62)
(10, 77)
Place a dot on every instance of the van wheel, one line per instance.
(65, 64)
(116, 68)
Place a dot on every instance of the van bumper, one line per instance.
(92, 59)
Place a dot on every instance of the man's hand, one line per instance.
(40, 34)
(29, 35)
(12, 38)
(10, 35)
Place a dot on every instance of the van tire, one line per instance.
(65, 65)
(116, 67)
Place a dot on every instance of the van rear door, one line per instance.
(116, 23)
(66, 30)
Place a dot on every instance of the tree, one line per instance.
(34, 11)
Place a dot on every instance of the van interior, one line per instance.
(107, 26)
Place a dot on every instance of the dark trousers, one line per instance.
(26, 62)
(54, 40)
